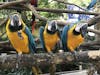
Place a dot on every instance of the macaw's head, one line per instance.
(15, 23)
(52, 27)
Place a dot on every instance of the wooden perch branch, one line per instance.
(66, 11)
(12, 3)
(47, 59)
(7, 4)
(55, 10)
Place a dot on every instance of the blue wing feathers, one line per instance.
(64, 37)
(32, 45)
(41, 37)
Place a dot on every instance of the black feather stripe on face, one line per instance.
(14, 29)
(50, 32)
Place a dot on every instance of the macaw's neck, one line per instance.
(15, 28)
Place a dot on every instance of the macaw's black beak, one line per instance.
(53, 28)
(84, 30)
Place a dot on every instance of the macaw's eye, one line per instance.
(49, 27)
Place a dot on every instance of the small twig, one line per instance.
(94, 31)
(61, 1)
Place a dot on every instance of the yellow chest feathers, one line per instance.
(21, 45)
(73, 41)
(50, 40)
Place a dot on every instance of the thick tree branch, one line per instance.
(54, 10)
(12, 3)
(65, 11)
(47, 59)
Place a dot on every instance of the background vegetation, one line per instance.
(41, 4)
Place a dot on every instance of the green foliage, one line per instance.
(50, 4)
(56, 5)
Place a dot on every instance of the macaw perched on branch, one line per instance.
(93, 2)
(73, 36)
(49, 36)
(19, 35)
(50, 40)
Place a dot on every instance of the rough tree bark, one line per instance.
(27, 60)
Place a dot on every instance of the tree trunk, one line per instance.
(28, 60)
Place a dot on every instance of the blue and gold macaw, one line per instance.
(93, 2)
(73, 36)
(49, 36)
(50, 40)
(20, 36)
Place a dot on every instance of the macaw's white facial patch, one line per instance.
(49, 27)
(12, 23)
(19, 22)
